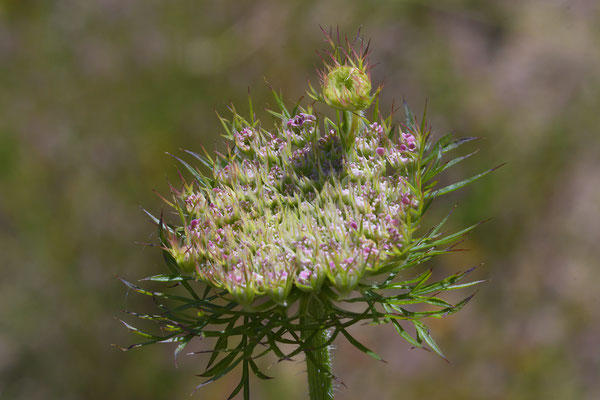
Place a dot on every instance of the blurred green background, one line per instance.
(93, 93)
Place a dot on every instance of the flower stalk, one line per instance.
(317, 352)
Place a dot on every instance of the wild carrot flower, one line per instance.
(297, 221)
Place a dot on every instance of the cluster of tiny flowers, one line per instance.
(292, 209)
(299, 120)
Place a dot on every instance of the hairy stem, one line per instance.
(318, 360)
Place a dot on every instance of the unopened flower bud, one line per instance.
(347, 88)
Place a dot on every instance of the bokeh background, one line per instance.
(93, 93)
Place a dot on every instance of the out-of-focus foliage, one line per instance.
(93, 94)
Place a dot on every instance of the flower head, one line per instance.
(272, 224)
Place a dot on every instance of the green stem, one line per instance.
(318, 360)
(350, 125)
